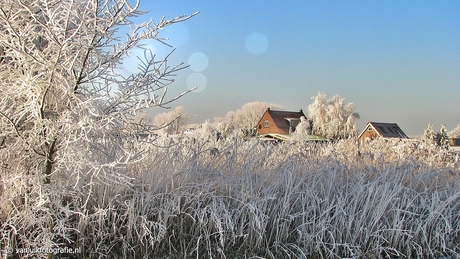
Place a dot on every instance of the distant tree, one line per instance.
(171, 122)
(332, 118)
(228, 122)
(224, 127)
(317, 112)
(455, 133)
(142, 118)
(207, 130)
(439, 138)
(429, 135)
(442, 138)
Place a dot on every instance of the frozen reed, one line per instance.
(232, 199)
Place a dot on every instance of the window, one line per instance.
(383, 129)
(267, 124)
(294, 123)
(399, 132)
(369, 129)
(260, 126)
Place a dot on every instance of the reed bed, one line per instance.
(204, 198)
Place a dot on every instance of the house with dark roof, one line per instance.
(384, 130)
(278, 122)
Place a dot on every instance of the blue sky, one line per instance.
(398, 61)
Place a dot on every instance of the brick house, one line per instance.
(278, 122)
(383, 130)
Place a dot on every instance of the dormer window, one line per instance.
(399, 132)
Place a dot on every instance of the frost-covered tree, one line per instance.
(332, 117)
(442, 138)
(172, 122)
(60, 80)
(223, 126)
(207, 130)
(67, 109)
(439, 138)
(429, 134)
(455, 133)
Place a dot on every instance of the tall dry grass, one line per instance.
(231, 199)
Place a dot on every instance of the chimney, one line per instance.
(268, 109)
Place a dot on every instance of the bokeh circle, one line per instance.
(197, 80)
(198, 61)
(256, 43)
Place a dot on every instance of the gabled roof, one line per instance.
(385, 130)
(281, 117)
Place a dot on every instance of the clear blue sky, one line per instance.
(398, 61)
